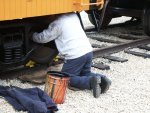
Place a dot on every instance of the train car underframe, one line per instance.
(16, 46)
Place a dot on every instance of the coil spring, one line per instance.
(8, 56)
(17, 53)
(13, 54)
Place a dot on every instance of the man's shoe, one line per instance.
(105, 84)
(95, 81)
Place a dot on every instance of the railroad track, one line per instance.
(113, 49)
(112, 42)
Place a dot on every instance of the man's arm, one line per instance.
(47, 35)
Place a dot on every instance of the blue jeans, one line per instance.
(80, 71)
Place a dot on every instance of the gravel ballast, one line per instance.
(129, 92)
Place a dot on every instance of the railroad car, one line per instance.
(137, 9)
(19, 17)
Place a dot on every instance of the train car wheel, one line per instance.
(106, 21)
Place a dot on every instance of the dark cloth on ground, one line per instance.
(33, 100)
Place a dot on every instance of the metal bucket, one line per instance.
(56, 85)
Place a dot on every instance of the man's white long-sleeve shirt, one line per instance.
(70, 39)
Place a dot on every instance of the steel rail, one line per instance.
(113, 49)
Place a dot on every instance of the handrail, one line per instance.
(89, 4)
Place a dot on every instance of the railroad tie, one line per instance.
(144, 47)
(97, 46)
(144, 55)
(101, 66)
(105, 40)
(114, 58)
(127, 36)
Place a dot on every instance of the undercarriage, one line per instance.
(16, 46)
